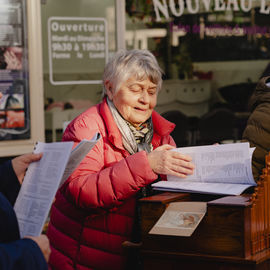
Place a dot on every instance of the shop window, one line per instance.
(181, 33)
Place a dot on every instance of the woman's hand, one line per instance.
(163, 161)
(43, 243)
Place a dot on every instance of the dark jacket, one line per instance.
(15, 253)
(257, 131)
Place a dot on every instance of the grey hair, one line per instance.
(125, 64)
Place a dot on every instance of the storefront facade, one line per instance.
(206, 48)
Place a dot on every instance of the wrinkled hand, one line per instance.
(43, 243)
(163, 161)
(21, 163)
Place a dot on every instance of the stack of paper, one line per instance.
(219, 169)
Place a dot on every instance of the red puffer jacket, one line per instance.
(94, 210)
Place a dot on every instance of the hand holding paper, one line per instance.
(219, 169)
(43, 179)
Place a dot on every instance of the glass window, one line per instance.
(181, 33)
(224, 42)
(78, 37)
(212, 52)
(14, 77)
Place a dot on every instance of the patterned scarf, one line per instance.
(134, 139)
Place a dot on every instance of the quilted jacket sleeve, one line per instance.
(9, 184)
(23, 254)
(94, 185)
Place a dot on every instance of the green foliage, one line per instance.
(139, 8)
(183, 61)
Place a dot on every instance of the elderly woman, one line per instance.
(94, 210)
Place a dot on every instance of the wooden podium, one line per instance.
(233, 235)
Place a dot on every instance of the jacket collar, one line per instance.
(261, 94)
(162, 127)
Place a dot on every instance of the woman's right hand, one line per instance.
(43, 243)
(163, 161)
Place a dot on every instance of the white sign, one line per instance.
(76, 42)
(195, 6)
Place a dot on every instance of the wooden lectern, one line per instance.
(233, 235)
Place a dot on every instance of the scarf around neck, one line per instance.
(134, 139)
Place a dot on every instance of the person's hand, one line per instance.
(43, 243)
(13, 62)
(21, 163)
(163, 161)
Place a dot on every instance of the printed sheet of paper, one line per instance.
(77, 155)
(180, 219)
(219, 169)
(39, 187)
(197, 187)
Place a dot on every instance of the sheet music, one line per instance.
(219, 169)
(42, 180)
(77, 155)
(39, 187)
(197, 187)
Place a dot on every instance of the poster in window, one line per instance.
(14, 76)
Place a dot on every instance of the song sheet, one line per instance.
(40, 185)
(219, 169)
(42, 180)
(77, 155)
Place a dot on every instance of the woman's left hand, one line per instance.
(163, 161)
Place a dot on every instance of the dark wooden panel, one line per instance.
(177, 261)
(221, 232)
